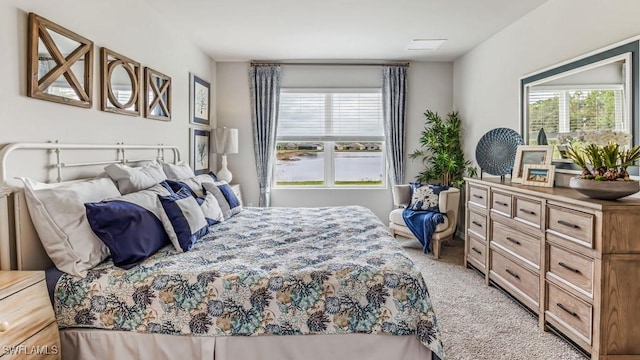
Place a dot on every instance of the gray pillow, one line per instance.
(130, 179)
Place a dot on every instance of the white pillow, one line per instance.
(59, 217)
(130, 179)
(179, 171)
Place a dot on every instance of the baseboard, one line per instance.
(460, 234)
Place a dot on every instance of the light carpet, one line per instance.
(479, 322)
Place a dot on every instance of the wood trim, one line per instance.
(157, 95)
(108, 101)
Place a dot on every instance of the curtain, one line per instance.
(394, 113)
(265, 98)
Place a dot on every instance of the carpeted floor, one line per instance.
(479, 322)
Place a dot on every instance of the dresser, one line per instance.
(28, 328)
(573, 261)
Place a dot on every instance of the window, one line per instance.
(575, 112)
(330, 138)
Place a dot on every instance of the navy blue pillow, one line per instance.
(215, 178)
(183, 219)
(176, 186)
(131, 232)
(427, 198)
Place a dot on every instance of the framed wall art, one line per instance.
(530, 155)
(538, 175)
(199, 147)
(157, 95)
(199, 100)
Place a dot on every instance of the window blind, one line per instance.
(330, 115)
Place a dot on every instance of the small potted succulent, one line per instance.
(604, 170)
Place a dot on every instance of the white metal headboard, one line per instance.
(20, 247)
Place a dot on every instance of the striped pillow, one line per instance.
(182, 219)
(227, 199)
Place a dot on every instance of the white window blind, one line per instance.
(330, 115)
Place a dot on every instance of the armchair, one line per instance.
(448, 203)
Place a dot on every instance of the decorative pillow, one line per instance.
(182, 219)
(130, 225)
(226, 198)
(211, 209)
(130, 179)
(425, 197)
(179, 171)
(194, 184)
(58, 215)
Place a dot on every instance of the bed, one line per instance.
(268, 283)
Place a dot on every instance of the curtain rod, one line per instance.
(328, 64)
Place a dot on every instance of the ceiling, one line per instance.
(242, 30)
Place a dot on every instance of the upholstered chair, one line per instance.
(448, 204)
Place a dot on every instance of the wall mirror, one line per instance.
(120, 83)
(60, 64)
(593, 99)
(157, 95)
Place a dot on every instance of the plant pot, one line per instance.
(604, 190)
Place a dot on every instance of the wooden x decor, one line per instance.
(157, 99)
(68, 51)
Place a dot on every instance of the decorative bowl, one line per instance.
(604, 190)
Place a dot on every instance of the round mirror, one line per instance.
(122, 85)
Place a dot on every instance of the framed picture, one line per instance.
(199, 100)
(538, 175)
(157, 95)
(530, 155)
(199, 147)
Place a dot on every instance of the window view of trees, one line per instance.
(588, 110)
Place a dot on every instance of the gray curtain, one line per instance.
(265, 99)
(394, 113)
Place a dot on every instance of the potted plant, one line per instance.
(441, 150)
(604, 170)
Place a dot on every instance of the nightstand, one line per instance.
(237, 191)
(28, 328)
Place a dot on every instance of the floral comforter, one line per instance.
(266, 271)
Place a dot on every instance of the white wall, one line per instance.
(486, 80)
(131, 28)
(430, 87)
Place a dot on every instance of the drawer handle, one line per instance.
(478, 196)
(527, 211)
(514, 241)
(501, 203)
(513, 274)
(569, 267)
(568, 224)
(476, 250)
(567, 310)
(4, 326)
(476, 223)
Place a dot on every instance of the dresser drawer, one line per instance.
(521, 245)
(478, 225)
(478, 196)
(477, 252)
(45, 343)
(574, 314)
(576, 225)
(27, 312)
(574, 269)
(527, 211)
(501, 203)
(517, 276)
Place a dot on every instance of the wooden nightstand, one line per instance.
(28, 328)
(237, 191)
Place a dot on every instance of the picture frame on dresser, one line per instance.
(199, 148)
(199, 100)
(532, 155)
(538, 175)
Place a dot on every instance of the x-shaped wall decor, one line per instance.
(55, 56)
(158, 95)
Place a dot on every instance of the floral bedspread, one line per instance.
(265, 271)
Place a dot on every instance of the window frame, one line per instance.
(330, 141)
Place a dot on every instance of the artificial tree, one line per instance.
(441, 150)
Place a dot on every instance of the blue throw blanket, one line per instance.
(422, 224)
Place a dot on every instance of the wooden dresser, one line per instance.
(573, 261)
(28, 328)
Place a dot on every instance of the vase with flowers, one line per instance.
(604, 170)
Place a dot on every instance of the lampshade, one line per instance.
(225, 140)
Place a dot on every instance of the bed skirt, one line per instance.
(88, 344)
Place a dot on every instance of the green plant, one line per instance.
(441, 150)
(604, 162)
